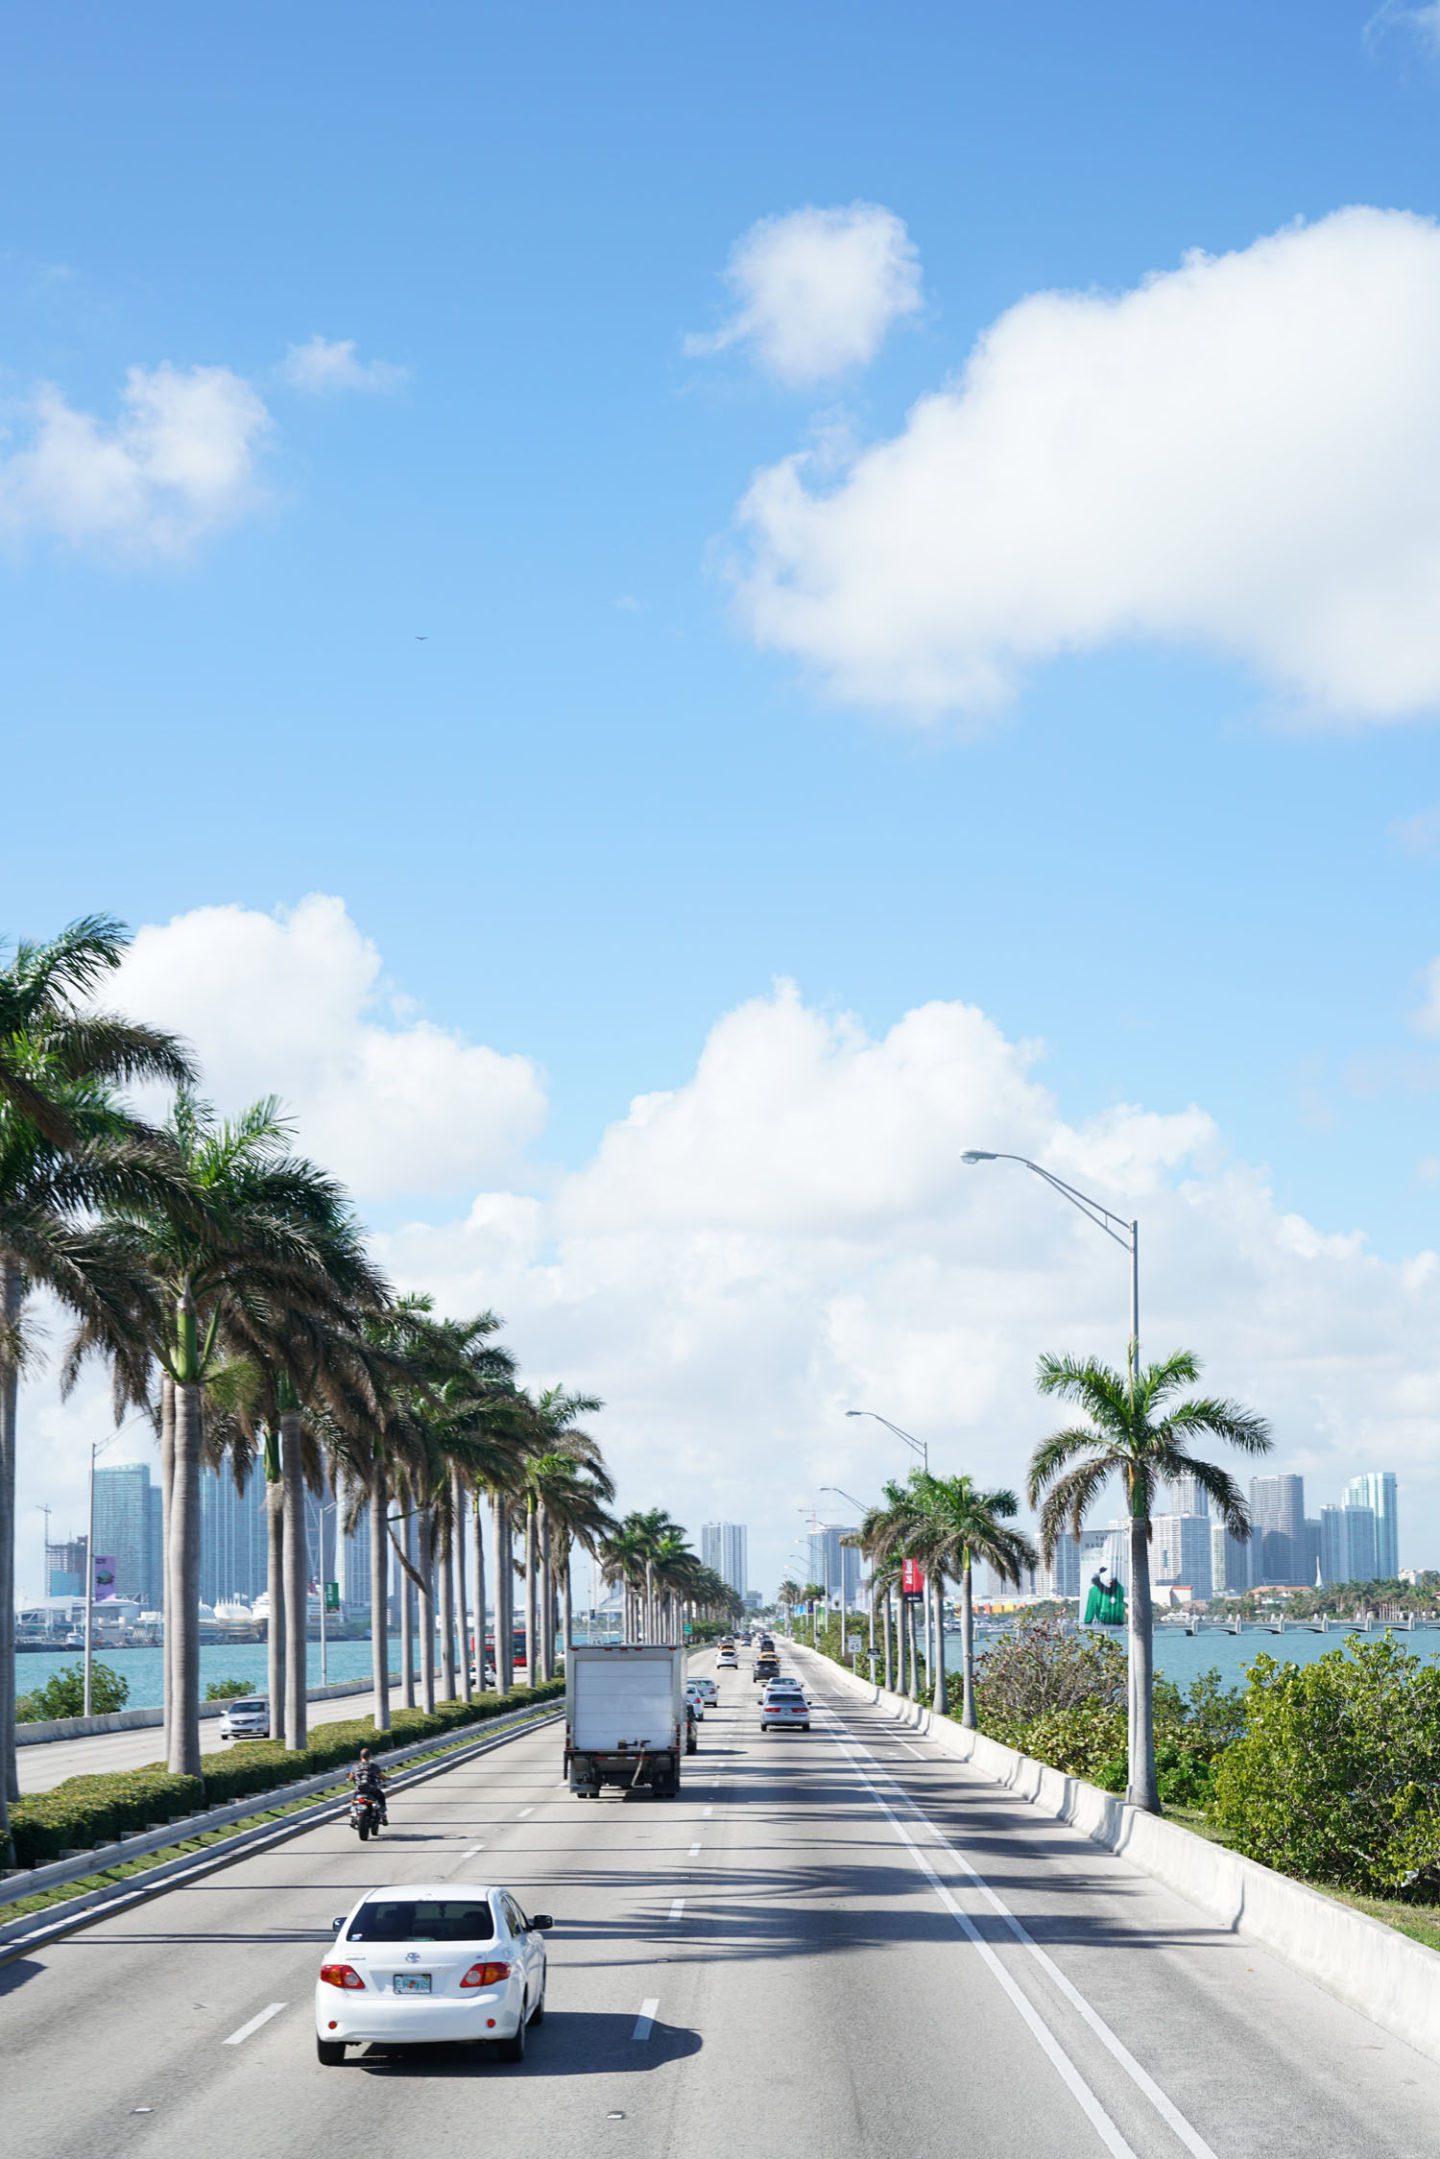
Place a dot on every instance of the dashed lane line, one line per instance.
(646, 2019)
(677, 1907)
(238, 2038)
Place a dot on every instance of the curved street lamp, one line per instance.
(1125, 1234)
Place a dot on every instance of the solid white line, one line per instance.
(254, 2025)
(677, 1907)
(646, 2018)
(1107, 2131)
(1164, 2106)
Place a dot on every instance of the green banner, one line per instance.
(332, 1596)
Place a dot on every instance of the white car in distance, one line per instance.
(695, 1696)
(783, 1707)
(710, 1691)
(427, 1962)
(247, 1717)
(727, 1661)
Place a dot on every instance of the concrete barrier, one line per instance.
(1387, 1977)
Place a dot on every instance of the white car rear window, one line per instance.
(423, 1919)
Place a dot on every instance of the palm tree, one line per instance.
(555, 1415)
(1138, 1433)
(66, 1150)
(960, 1523)
(624, 1557)
(574, 1497)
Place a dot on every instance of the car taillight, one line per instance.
(340, 1975)
(485, 1975)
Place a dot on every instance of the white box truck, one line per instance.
(624, 1718)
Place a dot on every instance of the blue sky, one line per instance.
(588, 814)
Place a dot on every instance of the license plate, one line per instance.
(412, 1982)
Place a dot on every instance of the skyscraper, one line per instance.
(123, 1524)
(834, 1564)
(722, 1549)
(1377, 1490)
(1180, 1551)
(232, 1537)
(1229, 1562)
(1061, 1577)
(1277, 1510)
(1361, 1564)
(1189, 1496)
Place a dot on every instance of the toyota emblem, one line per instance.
(412, 1956)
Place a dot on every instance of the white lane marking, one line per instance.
(693, 1850)
(677, 1907)
(472, 1851)
(1164, 2106)
(523, 1812)
(1107, 2131)
(705, 1813)
(236, 2038)
(646, 2018)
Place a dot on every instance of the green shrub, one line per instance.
(64, 1695)
(95, 1810)
(227, 1690)
(1079, 1740)
(1337, 1776)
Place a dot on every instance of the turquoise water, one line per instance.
(218, 1660)
(1183, 1657)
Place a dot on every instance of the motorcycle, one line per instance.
(365, 1815)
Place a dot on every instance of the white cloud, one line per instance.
(817, 290)
(323, 365)
(177, 463)
(1237, 455)
(1420, 17)
(294, 1004)
(791, 1233)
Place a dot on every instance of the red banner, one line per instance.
(912, 1580)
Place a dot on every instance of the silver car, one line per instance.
(247, 1717)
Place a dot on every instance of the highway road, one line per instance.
(52, 1760)
(842, 1945)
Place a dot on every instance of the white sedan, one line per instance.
(695, 1696)
(710, 1691)
(437, 1961)
(783, 1707)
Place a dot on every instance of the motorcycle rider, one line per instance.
(368, 1777)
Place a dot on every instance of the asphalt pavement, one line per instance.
(840, 1944)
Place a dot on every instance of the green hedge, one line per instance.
(95, 1810)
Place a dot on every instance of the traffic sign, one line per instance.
(332, 1596)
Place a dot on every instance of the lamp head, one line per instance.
(977, 1154)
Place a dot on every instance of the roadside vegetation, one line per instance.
(63, 1695)
(226, 1285)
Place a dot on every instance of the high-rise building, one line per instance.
(1377, 1490)
(232, 1536)
(1229, 1562)
(1277, 1512)
(722, 1549)
(1180, 1551)
(65, 1568)
(834, 1564)
(1060, 1577)
(1361, 1563)
(125, 1531)
(1332, 1546)
(1189, 1496)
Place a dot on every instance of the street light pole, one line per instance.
(89, 1590)
(1125, 1234)
(922, 1448)
(843, 1494)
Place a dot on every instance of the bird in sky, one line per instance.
(422, 639)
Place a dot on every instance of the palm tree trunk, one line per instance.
(887, 1643)
(275, 1588)
(12, 1297)
(427, 1610)
(297, 1581)
(532, 1665)
(407, 1612)
(914, 1634)
(167, 1481)
(967, 1646)
(183, 1752)
(447, 1615)
(547, 1597)
(900, 1643)
(938, 1700)
(460, 1511)
(649, 1634)
(567, 1609)
(504, 1597)
(380, 1599)
(1144, 1790)
(480, 1600)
